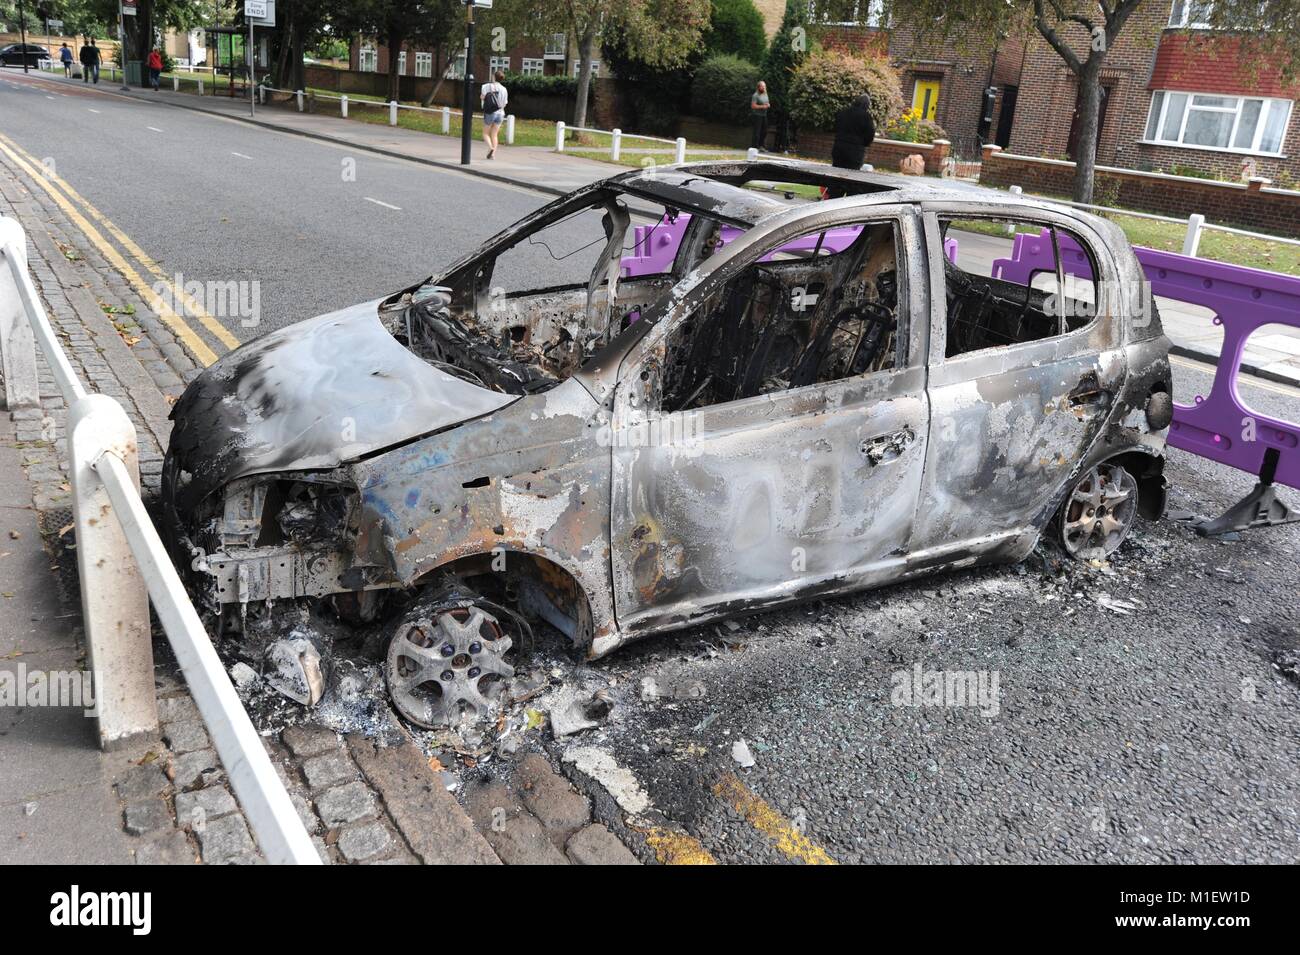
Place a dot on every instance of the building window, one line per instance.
(1234, 123)
(869, 13)
(456, 68)
(1193, 14)
(532, 66)
(424, 64)
(595, 68)
(401, 63)
(369, 61)
(499, 63)
(557, 47)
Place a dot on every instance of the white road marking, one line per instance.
(154, 128)
(386, 205)
(240, 155)
(92, 110)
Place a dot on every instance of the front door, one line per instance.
(769, 437)
(925, 96)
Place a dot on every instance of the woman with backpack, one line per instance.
(493, 97)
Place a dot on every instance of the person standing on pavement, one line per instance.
(94, 61)
(855, 130)
(65, 57)
(155, 68)
(493, 98)
(86, 56)
(759, 104)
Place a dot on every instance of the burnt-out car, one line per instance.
(731, 402)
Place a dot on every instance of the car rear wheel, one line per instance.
(1098, 513)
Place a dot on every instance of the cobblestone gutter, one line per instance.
(361, 802)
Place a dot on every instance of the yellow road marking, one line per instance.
(197, 347)
(677, 848)
(787, 839)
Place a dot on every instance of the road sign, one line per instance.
(260, 12)
(53, 26)
(480, 4)
(128, 8)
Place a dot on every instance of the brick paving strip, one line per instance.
(361, 803)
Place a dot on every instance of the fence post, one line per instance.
(680, 155)
(176, 84)
(446, 120)
(510, 130)
(261, 94)
(297, 95)
(615, 144)
(17, 341)
(1192, 240)
(1011, 226)
(392, 112)
(114, 601)
(200, 86)
(343, 105)
(559, 137)
(751, 154)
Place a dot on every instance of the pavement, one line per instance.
(1148, 709)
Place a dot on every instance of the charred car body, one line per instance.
(800, 400)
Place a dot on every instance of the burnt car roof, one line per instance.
(718, 188)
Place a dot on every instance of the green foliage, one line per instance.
(911, 128)
(828, 81)
(736, 27)
(722, 87)
(542, 85)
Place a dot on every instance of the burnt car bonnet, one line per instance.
(310, 396)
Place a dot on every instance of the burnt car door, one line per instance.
(769, 433)
(1025, 360)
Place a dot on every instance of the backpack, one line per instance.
(491, 101)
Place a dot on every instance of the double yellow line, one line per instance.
(72, 204)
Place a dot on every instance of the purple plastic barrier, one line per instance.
(1217, 426)
(655, 246)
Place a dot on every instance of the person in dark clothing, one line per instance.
(855, 130)
(87, 56)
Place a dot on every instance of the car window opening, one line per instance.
(816, 309)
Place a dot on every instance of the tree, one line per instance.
(736, 27)
(788, 49)
(1082, 33)
(397, 22)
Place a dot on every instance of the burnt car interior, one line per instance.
(985, 311)
(801, 315)
(491, 326)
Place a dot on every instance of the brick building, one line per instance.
(547, 56)
(1178, 98)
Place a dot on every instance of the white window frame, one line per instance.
(556, 47)
(368, 59)
(532, 66)
(1182, 14)
(423, 64)
(1156, 114)
(401, 63)
(456, 68)
(595, 68)
(877, 17)
(498, 63)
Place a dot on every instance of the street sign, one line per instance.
(128, 8)
(53, 26)
(480, 4)
(260, 12)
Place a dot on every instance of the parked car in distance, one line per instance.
(796, 401)
(15, 53)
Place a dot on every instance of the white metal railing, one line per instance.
(616, 136)
(1195, 222)
(122, 564)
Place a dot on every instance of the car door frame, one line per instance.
(687, 607)
(1003, 521)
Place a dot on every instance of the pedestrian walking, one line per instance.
(87, 56)
(759, 104)
(493, 98)
(855, 130)
(155, 68)
(65, 57)
(93, 67)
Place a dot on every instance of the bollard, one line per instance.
(446, 120)
(615, 144)
(1192, 241)
(751, 154)
(298, 96)
(1011, 227)
(559, 137)
(680, 155)
(343, 106)
(17, 341)
(200, 87)
(261, 94)
(176, 84)
(510, 130)
(114, 601)
(392, 113)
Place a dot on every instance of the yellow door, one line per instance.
(925, 98)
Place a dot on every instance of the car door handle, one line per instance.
(887, 447)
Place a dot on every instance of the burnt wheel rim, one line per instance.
(1099, 512)
(448, 666)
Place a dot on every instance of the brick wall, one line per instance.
(1253, 205)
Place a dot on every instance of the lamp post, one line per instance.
(467, 111)
(22, 29)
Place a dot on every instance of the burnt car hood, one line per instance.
(308, 397)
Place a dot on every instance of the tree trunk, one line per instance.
(299, 43)
(586, 43)
(284, 38)
(1085, 149)
(395, 39)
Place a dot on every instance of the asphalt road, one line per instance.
(1166, 733)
